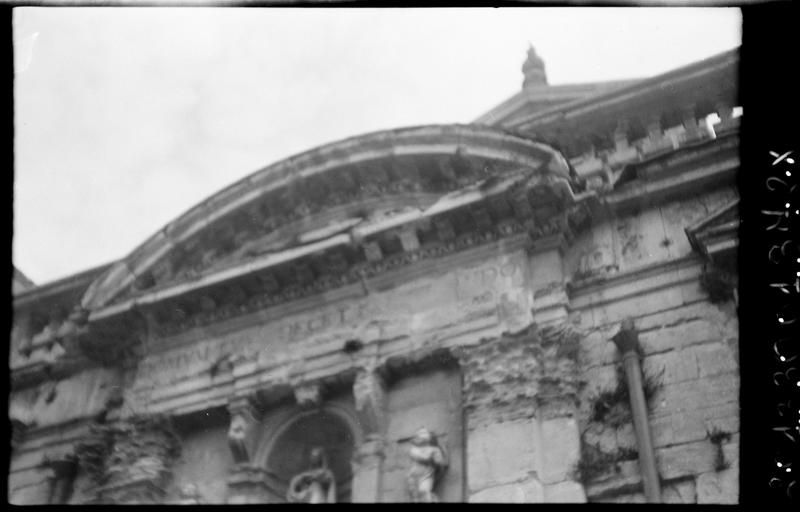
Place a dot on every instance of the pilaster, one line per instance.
(138, 468)
(520, 399)
(369, 391)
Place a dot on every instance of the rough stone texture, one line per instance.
(512, 377)
(680, 492)
(565, 492)
(502, 453)
(529, 492)
(129, 461)
(205, 461)
(686, 459)
(690, 346)
(79, 396)
(35, 493)
(561, 449)
(721, 486)
(697, 394)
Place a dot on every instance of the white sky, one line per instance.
(125, 118)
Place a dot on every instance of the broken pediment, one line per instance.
(716, 235)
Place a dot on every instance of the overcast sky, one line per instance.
(125, 118)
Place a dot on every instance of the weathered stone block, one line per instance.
(35, 494)
(625, 478)
(689, 333)
(634, 306)
(434, 416)
(715, 358)
(698, 394)
(501, 453)
(686, 459)
(673, 366)
(565, 492)
(680, 492)
(623, 498)
(719, 487)
(529, 492)
(561, 449)
(682, 427)
(428, 388)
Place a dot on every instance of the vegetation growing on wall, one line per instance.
(595, 462)
(612, 406)
(717, 437)
(718, 283)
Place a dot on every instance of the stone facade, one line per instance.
(467, 280)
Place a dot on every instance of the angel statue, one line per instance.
(428, 463)
(315, 485)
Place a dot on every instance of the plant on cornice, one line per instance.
(718, 283)
(717, 437)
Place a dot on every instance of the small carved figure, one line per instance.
(428, 463)
(238, 438)
(315, 485)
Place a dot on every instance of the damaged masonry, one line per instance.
(536, 307)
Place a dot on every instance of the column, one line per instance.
(247, 482)
(64, 470)
(138, 468)
(550, 300)
(369, 392)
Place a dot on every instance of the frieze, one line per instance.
(348, 188)
(358, 274)
(494, 287)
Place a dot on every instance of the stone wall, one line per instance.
(522, 429)
(205, 461)
(690, 349)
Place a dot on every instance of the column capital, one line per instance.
(308, 394)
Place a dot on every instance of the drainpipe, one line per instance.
(627, 341)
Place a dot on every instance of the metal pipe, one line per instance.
(627, 341)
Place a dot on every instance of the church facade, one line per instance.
(540, 306)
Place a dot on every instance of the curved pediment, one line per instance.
(347, 187)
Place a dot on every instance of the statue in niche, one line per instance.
(238, 437)
(315, 485)
(428, 463)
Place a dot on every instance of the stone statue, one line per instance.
(428, 463)
(238, 438)
(315, 485)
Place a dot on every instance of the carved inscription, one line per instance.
(486, 287)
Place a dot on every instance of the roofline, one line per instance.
(73, 281)
(602, 100)
(445, 139)
(507, 107)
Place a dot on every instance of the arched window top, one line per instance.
(286, 450)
